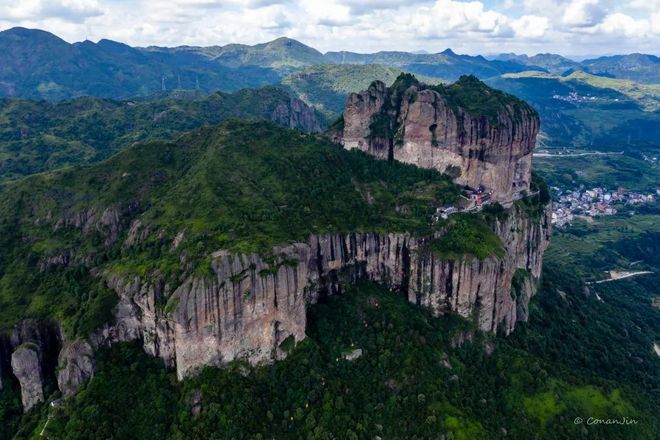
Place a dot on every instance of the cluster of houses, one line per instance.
(593, 202)
(574, 97)
(652, 159)
(471, 200)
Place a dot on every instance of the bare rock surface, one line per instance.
(76, 367)
(26, 366)
(421, 125)
(251, 306)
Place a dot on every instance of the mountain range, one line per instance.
(40, 65)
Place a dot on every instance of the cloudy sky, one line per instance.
(570, 27)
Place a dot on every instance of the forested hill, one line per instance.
(38, 136)
(240, 186)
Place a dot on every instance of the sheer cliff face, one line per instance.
(254, 306)
(428, 128)
(249, 307)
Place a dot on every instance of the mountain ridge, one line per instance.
(41, 65)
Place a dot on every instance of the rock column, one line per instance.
(26, 365)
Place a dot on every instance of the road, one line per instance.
(591, 153)
(615, 275)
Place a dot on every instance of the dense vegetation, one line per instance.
(241, 186)
(41, 136)
(468, 235)
(410, 381)
(477, 98)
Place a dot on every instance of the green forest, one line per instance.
(412, 378)
(240, 186)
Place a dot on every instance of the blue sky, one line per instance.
(570, 27)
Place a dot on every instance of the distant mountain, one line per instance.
(42, 136)
(637, 67)
(326, 86)
(280, 55)
(584, 110)
(446, 65)
(552, 62)
(549, 62)
(39, 65)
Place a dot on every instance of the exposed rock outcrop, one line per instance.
(429, 127)
(75, 366)
(252, 305)
(29, 351)
(26, 366)
(110, 222)
(296, 115)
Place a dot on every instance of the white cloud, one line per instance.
(531, 26)
(75, 11)
(583, 13)
(448, 17)
(467, 26)
(625, 25)
(655, 23)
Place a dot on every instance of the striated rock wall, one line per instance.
(26, 366)
(422, 126)
(75, 366)
(297, 115)
(250, 305)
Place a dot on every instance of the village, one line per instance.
(569, 205)
(471, 200)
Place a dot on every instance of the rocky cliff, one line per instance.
(252, 305)
(297, 115)
(208, 308)
(478, 135)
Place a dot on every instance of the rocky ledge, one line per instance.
(252, 305)
(478, 135)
